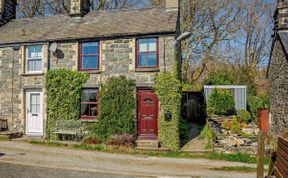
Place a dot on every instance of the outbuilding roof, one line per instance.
(98, 24)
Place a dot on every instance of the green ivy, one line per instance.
(63, 89)
(117, 104)
(168, 90)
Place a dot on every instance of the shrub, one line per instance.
(185, 127)
(91, 140)
(220, 77)
(254, 102)
(235, 126)
(117, 108)
(226, 124)
(208, 135)
(221, 102)
(127, 140)
(63, 89)
(244, 115)
(168, 90)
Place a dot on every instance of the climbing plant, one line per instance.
(117, 104)
(168, 90)
(63, 89)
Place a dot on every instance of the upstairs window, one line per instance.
(34, 59)
(89, 104)
(89, 56)
(147, 53)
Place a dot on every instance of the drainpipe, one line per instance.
(12, 84)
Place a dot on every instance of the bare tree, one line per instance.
(255, 33)
(211, 22)
(30, 8)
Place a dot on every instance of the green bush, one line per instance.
(117, 105)
(235, 126)
(265, 100)
(221, 102)
(168, 90)
(185, 127)
(220, 77)
(63, 89)
(244, 115)
(207, 134)
(254, 102)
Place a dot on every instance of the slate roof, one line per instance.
(94, 25)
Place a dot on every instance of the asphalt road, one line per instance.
(24, 160)
(8, 170)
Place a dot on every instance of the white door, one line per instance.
(34, 113)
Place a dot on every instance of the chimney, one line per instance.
(1, 7)
(172, 5)
(79, 8)
(7, 11)
(281, 15)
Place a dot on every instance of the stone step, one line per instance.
(147, 144)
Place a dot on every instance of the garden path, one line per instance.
(195, 145)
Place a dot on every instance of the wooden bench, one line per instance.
(67, 128)
(279, 167)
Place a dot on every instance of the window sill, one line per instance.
(147, 70)
(33, 74)
(91, 71)
(87, 119)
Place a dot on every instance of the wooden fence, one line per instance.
(279, 165)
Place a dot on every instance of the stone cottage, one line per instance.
(278, 71)
(135, 43)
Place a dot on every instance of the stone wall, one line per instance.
(11, 94)
(117, 57)
(278, 81)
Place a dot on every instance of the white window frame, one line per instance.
(33, 58)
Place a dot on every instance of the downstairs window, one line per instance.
(89, 104)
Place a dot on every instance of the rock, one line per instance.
(256, 131)
(240, 142)
(231, 141)
(255, 144)
(247, 141)
(249, 131)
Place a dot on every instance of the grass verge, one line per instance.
(237, 157)
(4, 138)
(235, 168)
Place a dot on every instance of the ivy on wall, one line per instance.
(168, 90)
(63, 89)
(117, 104)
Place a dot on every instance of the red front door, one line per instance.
(147, 114)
